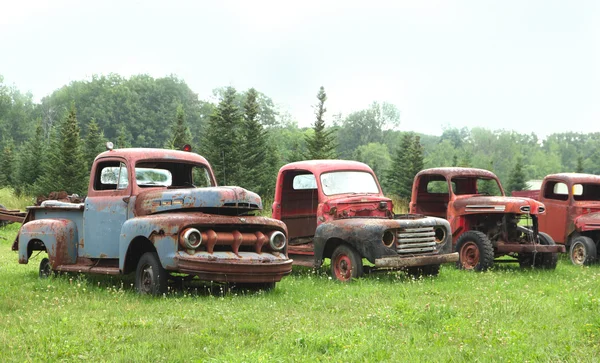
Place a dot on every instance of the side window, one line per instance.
(111, 175)
(201, 177)
(437, 186)
(304, 181)
(123, 177)
(556, 190)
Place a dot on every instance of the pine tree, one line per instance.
(180, 131)
(122, 139)
(7, 164)
(517, 177)
(398, 176)
(94, 143)
(65, 168)
(257, 157)
(321, 145)
(579, 164)
(221, 140)
(416, 159)
(30, 160)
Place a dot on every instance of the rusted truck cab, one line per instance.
(157, 213)
(485, 223)
(335, 209)
(572, 215)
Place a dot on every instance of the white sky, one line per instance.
(530, 66)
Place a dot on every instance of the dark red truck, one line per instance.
(572, 215)
(334, 209)
(485, 223)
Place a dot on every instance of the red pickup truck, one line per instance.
(485, 223)
(335, 209)
(572, 215)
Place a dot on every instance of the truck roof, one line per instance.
(322, 166)
(451, 172)
(135, 154)
(576, 177)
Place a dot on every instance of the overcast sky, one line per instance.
(530, 66)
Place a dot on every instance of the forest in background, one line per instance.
(247, 137)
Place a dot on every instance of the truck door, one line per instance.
(106, 209)
(555, 196)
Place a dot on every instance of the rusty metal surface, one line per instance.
(318, 222)
(156, 201)
(12, 215)
(412, 261)
(235, 247)
(504, 248)
(498, 217)
(569, 218)
(452, 172)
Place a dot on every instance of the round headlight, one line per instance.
(440, 234)
(388, 238)
(277, 241)
(191, 238)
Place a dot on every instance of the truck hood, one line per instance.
(493, 204)
(588, 222)
(354, 205)
(163, 200)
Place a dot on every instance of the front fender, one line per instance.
(365, 235)
(59, 236)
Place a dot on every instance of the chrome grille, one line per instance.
(416, 240)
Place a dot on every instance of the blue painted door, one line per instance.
(106, 211)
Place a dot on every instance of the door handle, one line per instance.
(126, 199)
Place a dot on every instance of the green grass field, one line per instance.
(502, 315)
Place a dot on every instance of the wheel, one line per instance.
(583, 251)
(546, 260)
(541, 260)
(475, 251)
(150, 276)
(430, 270)
(346, 263)
(45, 268)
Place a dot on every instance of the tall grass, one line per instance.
(10, 200)
(506, 314)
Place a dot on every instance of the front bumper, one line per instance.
(245, 267)
(413, 261)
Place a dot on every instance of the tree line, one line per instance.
(50, 145)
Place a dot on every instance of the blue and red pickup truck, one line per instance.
(158, 212)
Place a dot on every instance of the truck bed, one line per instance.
(533, 194)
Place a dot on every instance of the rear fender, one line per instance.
(59, 236)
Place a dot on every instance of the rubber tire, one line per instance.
(587, 247)
(45, 269)
(346, 264)
(484, 247)
(548, 260)
(150, 276)
(429, 270)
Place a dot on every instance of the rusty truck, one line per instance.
(486, 224)
(158, 213)
(335, 209)
(572, 215)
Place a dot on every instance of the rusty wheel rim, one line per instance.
(578, 254)
(147, 279)
(469, 255)
(343, 267)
